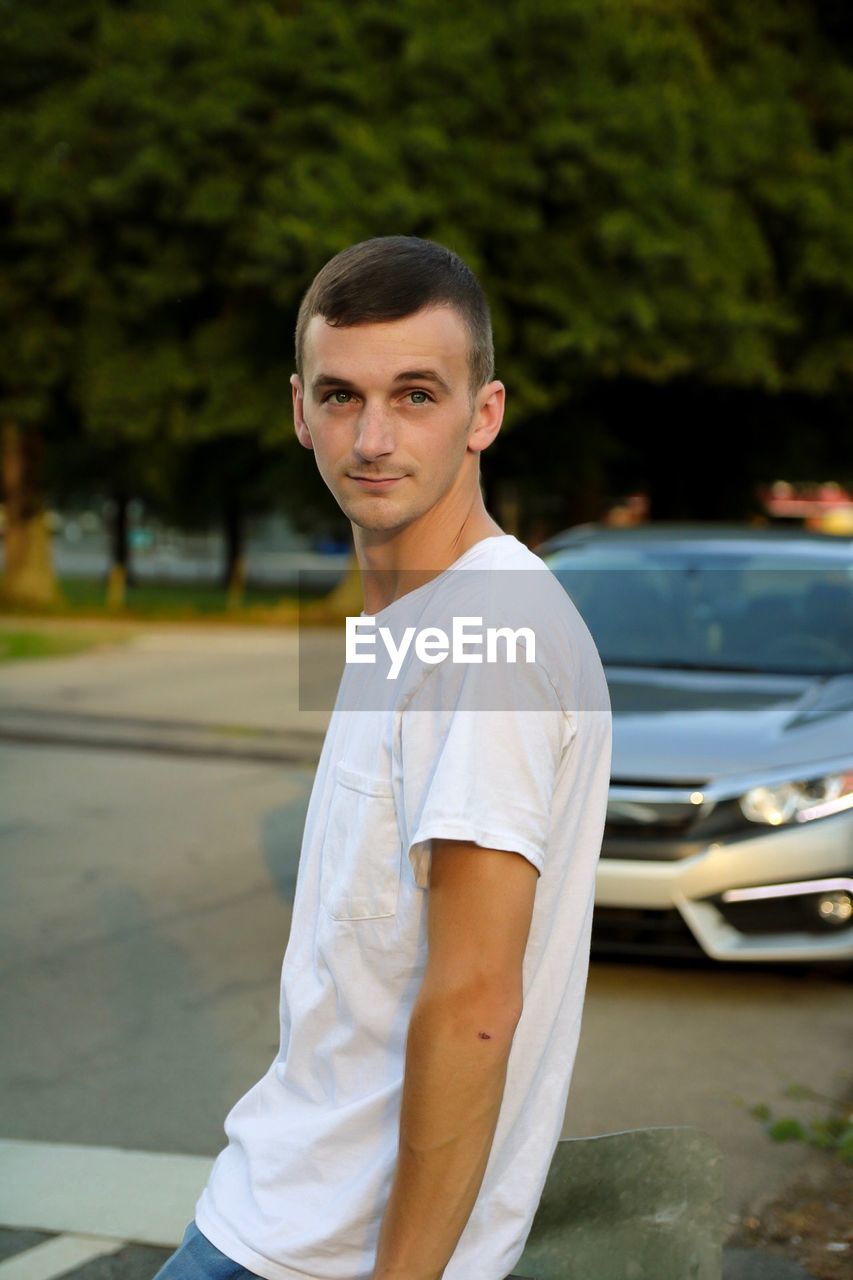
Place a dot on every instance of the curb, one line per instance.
(160, 736)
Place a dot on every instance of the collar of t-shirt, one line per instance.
(383, 614)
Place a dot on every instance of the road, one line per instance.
(145, 902)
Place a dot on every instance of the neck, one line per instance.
(397, 561)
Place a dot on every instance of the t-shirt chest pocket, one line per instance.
(360, 871)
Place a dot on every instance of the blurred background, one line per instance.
(656, 196)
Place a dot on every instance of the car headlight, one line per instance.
(799, 801)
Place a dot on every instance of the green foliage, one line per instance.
(831, 1131)
(786, 1129)
(651, 190)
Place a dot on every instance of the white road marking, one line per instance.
(56, 1257)
(107, 1192)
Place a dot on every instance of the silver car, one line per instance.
(729, 657)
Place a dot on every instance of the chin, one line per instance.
(378, 517)
(377, 513)
(378, 523)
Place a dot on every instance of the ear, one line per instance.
(303, 433)
(488, 416)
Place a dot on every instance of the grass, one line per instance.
(16, 646)
(166, 601)
(29, 633)
(831, 1131)
(151, 599)
(85, 600)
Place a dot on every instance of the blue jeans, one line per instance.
(197, 1259)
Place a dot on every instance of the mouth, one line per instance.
(381, 482)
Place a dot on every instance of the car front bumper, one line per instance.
(679, 898)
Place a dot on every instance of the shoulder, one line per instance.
(522, 593)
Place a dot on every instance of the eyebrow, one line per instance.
(407, 375)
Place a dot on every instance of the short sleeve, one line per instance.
(477, 772)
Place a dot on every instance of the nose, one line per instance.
(374, 435)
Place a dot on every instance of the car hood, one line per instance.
(692, 726)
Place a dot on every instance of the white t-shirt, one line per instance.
(523, 764)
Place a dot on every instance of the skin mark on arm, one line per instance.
(484, 1035)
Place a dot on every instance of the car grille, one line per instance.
(659, 821)
(627, 930)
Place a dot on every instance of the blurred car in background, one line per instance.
(729, 656)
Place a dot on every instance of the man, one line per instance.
(433, 981)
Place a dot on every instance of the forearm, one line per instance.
(456, 1059)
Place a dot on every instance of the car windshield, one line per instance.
(788, 613)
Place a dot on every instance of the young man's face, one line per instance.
(387, 410)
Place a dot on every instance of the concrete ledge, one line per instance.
(645, 1204)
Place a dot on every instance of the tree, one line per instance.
(42, 58)
(653, 192)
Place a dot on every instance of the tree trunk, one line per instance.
(119, 552)
(29, 578)
(235, 554)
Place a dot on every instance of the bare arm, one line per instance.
(460, 1036)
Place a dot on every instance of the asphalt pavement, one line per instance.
(192, 693)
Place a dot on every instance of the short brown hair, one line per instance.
(390, 277)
